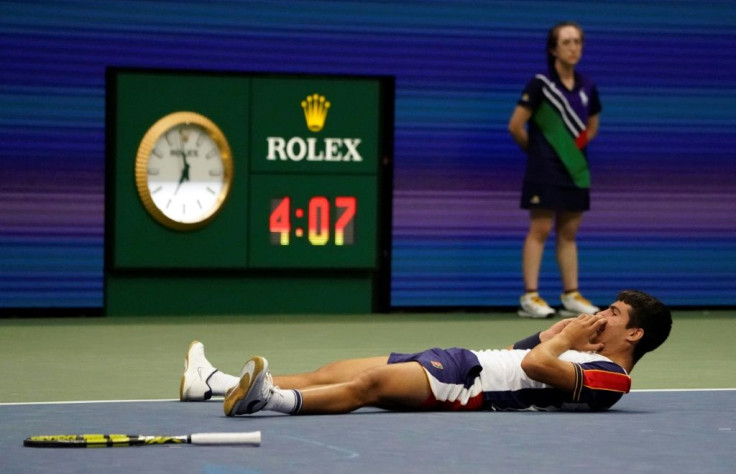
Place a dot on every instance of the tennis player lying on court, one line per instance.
(577, 364)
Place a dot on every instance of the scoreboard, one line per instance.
(247, 193)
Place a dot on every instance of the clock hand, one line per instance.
(184, 171)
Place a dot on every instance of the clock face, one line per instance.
(183, 170)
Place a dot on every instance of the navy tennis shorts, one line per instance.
(453, 376)
(554, 198)
(456, 365)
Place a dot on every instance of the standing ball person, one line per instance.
(553, 122)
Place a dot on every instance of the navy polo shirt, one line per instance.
(576, 106)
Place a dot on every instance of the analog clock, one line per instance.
(183, 170)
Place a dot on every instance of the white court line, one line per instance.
(349, 454)
(80, 402)
(684, 390)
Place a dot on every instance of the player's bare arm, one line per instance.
(555, 329)
(517, 126)
(543, 364)
(592, 127)
(550, 332)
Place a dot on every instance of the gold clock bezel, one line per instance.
(145, 148)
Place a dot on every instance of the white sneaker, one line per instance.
(533, 306)
(574, 304)
(252, 391)
(197, 371)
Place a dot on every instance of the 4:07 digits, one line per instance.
(284, 220)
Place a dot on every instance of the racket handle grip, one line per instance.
(252, 438)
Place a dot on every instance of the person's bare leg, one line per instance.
(395, 386)
(332, 373)
(568, 224)
(540, 226)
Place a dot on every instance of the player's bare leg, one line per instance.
(332, 373)
(201, 380)
(395, 386)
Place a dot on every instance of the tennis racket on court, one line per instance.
(120, 440)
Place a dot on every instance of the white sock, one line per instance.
(220, 382)
(284, 401)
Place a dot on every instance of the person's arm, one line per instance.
(517, 126)
(543, 363)
(535, 339)
(592, 126)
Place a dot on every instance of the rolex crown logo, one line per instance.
(315, 111)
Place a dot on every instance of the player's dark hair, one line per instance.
(553, 36)
(650, 314)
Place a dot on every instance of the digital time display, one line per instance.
(312, 221)
(327, 222)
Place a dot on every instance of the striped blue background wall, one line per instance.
(663, 216)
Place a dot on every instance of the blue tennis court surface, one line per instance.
(648, 431)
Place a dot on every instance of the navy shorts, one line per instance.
(554, 198)
(453, 376)
(456, 365)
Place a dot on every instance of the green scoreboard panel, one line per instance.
(247, 193)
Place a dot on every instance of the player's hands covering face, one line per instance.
(583, 331)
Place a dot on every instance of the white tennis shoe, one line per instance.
(197, 371)
(252, 391)
(574, 304)
(533, 306)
